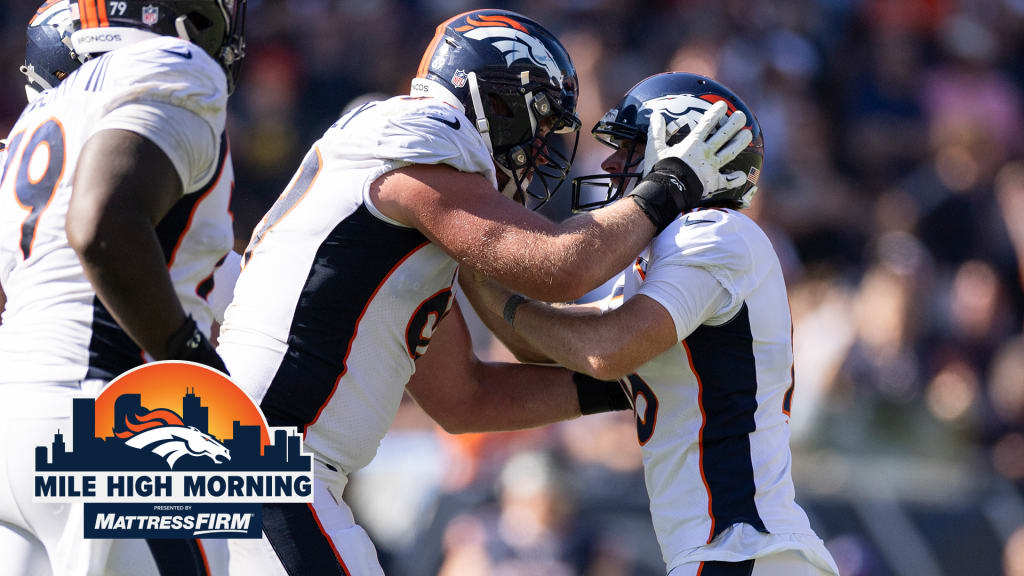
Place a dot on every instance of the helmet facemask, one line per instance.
(524, 124)
(613, 185)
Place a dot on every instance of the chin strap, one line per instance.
(33, 76)
(482, 125)
(180, 26)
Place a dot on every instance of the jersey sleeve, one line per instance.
(434, 133)
(172, 93)
(692, 296)
(187, 140)
(711, 241)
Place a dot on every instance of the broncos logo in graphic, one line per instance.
(162, 432)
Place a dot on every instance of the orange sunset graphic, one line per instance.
(169, 386)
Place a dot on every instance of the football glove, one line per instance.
(704, 151)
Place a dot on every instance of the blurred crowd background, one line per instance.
(893, 191)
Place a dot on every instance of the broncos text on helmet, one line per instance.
(216, 26)
(518, 85)
(49, 57)
(681, 98)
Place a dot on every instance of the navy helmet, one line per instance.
(49, 58)
(216, 26)
(682, 99)
(516, 83)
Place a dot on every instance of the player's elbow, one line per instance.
(461, 418)
(603, 369)
(609, 362)
(84, 231)
(457, 425)
(566, 284)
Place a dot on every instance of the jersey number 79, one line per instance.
(37, 173)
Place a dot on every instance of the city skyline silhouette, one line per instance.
(111, 453)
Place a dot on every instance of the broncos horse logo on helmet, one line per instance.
(163, 432)
(682, 99)
(216, 26)
(517, 84)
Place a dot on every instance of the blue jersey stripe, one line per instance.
(723, 359)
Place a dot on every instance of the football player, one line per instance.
(113, 216)
(351, 271)
(702, 341)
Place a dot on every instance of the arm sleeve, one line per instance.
(188, 140)
(692, 296)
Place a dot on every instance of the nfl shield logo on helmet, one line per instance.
(150, 15)
(459, 78)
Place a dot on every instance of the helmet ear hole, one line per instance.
(200, 21)
(498, 106)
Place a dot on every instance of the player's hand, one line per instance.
(704, 152)
(189, 343)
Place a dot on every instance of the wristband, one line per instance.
(511, 305)
(668, 190)
(189, 343)
(596, 396)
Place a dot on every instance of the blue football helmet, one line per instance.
(517, 84)
(216, 26)
(49, 58)
(682, 99)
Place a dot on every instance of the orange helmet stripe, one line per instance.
(101, 9)
(428, 55)
(41, 10)
(499, 18)
(713, 98)
(87, 9)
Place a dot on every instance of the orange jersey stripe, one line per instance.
(202, 554)
(700, 438)
(328, 538)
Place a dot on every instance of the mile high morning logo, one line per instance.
(172, 450)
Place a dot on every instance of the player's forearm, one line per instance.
(576, 337)
(575, 257)
(516, 344)
(515, 397)
(123, 260)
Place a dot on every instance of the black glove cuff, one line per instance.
(596, 396)
(189, 343)
(670, 189)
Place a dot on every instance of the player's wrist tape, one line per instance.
(671, 188)
(597, 396)
(189, 343)
(511, 305)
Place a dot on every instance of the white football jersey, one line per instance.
(712, 413)
(54, 327)
(336, 301)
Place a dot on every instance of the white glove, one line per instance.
(705, 150)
